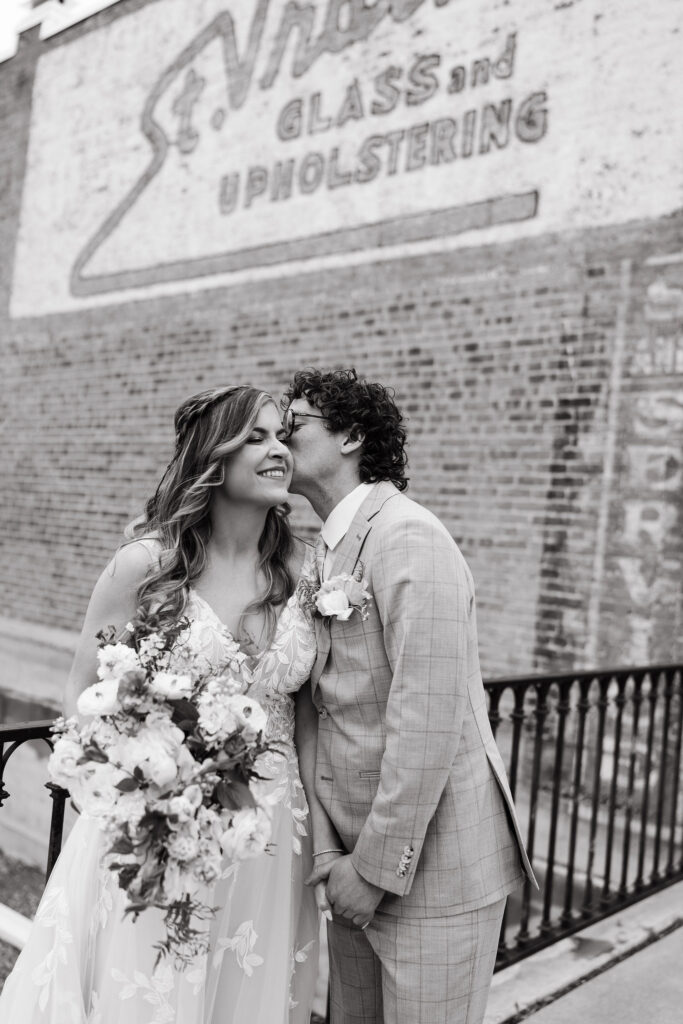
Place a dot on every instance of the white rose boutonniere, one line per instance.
(341, 596)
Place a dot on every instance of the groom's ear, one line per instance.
(352, 440)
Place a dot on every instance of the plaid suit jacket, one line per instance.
(407, 767)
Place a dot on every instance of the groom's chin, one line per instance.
(296, 487)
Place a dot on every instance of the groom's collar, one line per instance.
(347, 551)
(337, 524)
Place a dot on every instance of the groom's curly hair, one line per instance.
(347, 401)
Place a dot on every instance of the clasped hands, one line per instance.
(339, 887)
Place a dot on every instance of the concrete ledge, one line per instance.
(38, 634)
(518, 990)
(35, 661)
(14, 927)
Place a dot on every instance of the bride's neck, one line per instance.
(236, 530)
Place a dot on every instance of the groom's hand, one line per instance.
(350, 895)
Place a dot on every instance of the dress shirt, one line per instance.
(337, 524)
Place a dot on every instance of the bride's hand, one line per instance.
(322, 901)
(322, 867)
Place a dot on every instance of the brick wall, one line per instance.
(518, 365)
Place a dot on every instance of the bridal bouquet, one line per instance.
(164, 763)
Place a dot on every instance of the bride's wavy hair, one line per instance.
(209, 427)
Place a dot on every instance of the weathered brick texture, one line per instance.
(516, 366)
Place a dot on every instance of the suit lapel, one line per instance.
(345, 559)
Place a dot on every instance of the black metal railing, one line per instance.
(595, 768)
(594, 762)
(12, 737)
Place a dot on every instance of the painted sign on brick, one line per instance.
(195, 142)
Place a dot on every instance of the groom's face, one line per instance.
(314, 448)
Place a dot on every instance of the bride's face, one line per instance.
(260, 471)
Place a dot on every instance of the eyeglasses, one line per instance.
(290, 418)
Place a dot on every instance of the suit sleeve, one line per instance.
(424, 595)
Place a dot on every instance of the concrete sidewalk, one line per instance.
(598, 960)
(647, 986)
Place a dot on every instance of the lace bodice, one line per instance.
(276, 673)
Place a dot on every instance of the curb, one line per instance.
(521, 989)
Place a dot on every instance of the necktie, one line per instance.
(320, 552)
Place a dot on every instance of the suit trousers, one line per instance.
(401, 970)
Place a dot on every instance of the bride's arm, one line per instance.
(325, 835)
(113, 603)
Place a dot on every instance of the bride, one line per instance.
(214, 545)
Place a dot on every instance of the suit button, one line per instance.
(323, 713)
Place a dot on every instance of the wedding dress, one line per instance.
(84, 963)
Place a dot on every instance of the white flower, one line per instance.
(131, 807)
(248, 834)
(99, 699)
(151, 646)
(249, 713)
(63, 761)
(208, 868)
(184, 845)
(171, 686)
(95, 792)
(114, 660)
(335, 603)
(216, 719)
(157, 750)
(210, 826)
(104, 733)
(226, 685)
(183, 807)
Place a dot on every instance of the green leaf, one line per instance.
(93, 753)
(233, 795)
(127, 785)
(122, 845)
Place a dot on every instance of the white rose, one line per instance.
(248, 834)
(114, 660)
(131, 808)
(216, 719)
(99, 699)
(171, 686)
(249, 713)
(157, 750)
(334, 603)
(105, 734)
(96, 792)
(157, 763)
(183, 807)
(63, 764)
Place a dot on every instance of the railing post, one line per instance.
(562, 710)
(540, 715)
(676, 777)
(582, 708)
(619, 701)
(58, 796)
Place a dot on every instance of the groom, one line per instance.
(407, 768)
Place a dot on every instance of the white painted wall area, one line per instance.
(191, 143)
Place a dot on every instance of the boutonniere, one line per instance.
(337, 598)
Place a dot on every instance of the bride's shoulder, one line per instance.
(134, 559)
